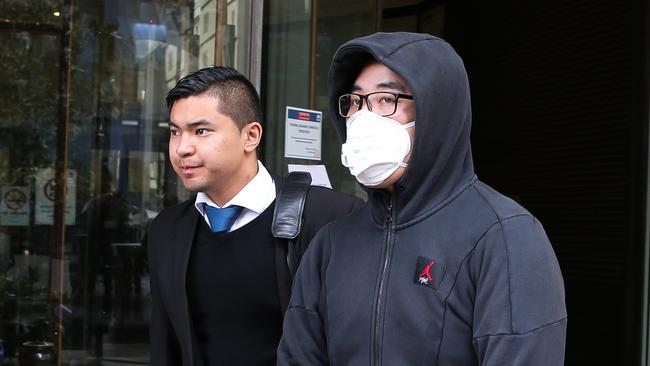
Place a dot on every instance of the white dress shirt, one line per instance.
(255, 197)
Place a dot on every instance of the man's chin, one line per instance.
(193, 187)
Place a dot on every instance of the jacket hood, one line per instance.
(441, 157)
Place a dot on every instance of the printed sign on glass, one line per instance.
(302, 135)
(44, 197)
(14, 206)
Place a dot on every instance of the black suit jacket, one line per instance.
(170, 238)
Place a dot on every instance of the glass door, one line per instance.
(83, 162)
(300, 38)
(30, 110)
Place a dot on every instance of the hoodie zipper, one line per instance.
(382, 277)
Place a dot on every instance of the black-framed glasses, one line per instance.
(382, 103)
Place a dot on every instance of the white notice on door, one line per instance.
(302, 134)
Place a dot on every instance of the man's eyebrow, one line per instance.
(391, 84)
(388, 84)
(201, 122)
(193, 124)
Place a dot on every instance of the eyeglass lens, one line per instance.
(381, 103)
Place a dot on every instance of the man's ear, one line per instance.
(252, 135)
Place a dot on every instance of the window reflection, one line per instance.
(91, 298)
(28, 116)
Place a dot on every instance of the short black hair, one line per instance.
(237, 96)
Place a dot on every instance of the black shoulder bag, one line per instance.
(287, 224)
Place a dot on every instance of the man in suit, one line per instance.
(219, 279)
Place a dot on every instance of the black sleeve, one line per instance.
(520, 316)
(163, 344)
(303, 339)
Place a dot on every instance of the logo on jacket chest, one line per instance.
(429, 273)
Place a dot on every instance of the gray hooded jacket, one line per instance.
(443, 271)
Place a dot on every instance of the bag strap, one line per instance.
(288, 213)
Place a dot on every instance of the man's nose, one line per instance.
(364, 104)
(185, 146)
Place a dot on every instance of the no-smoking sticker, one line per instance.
(15, 206)
(15, 199)
(45, 192)
(49, 189)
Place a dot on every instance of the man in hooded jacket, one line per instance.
(438, 268)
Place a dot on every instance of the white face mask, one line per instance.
(375, 148)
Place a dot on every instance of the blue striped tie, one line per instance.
(221, 219)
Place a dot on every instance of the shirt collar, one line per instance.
(256, 195)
